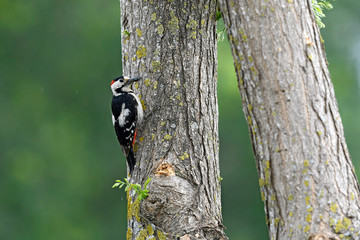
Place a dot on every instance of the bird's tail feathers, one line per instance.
(131, 160)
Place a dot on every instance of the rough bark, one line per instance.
(172, 45)
(306, 176)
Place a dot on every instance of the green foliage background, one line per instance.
(58, 153)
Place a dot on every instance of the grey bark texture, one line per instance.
(306, 177)
(172, 45)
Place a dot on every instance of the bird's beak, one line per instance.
(129, 81)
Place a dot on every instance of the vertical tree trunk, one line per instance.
(172, 45)
(307, 180)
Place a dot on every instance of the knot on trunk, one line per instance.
(170, 204)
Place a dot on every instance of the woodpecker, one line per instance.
(127, 114)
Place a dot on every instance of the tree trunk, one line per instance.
(306, 176)
(172, 45)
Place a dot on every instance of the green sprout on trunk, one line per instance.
(319, 6)
(142, 193)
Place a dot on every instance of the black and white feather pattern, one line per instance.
(125, 118)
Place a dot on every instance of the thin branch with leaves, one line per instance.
(319, 6)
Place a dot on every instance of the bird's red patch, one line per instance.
(134, 138)
(112, 82)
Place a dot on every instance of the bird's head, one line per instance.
(123, 84)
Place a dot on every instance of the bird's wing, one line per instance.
(124, 118)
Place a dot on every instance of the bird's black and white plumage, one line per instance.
(127, 114)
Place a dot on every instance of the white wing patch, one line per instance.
(139, 109)
(123, 114)
(113, 119)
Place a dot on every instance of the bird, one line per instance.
(127, 115)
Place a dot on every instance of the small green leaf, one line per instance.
(221, 35)
(147, 182)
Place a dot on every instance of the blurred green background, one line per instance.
(58, 153)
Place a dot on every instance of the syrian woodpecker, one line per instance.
(127, 114)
